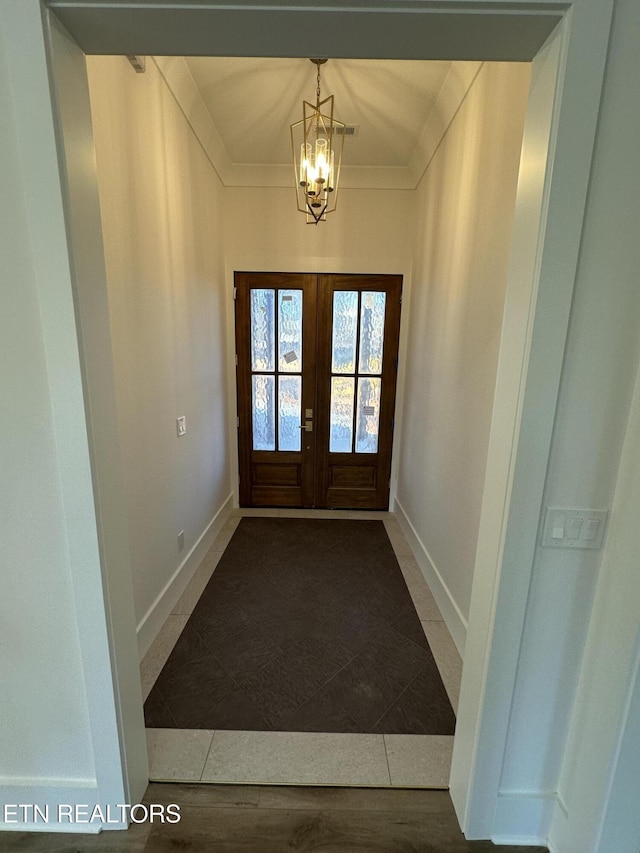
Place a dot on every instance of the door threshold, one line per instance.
(292, 512)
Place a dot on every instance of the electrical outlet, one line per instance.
(182, 425)
(181, 540)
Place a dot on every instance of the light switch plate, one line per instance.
(182, 425)
(566, 527)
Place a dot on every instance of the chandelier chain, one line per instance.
(318, 89)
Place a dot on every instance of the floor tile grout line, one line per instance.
(208, 754)
(386, 755)
(441, 669)
(239, 684)
(409, 588)
(215, 551)
(453, 700)
(402, 692)
(168, 708)
(153, 684)
(309, 698)
(325, 783)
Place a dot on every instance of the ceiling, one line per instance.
(253, 101)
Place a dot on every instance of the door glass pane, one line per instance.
(341, 422)
(290, 331)
(263, 329)
(263, 413)
(345, 330)
(368, 417)
(289, 412)
(371, 331)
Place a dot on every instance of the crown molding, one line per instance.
(178, 79)
(455, 88)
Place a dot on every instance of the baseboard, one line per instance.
(559, 828)
(451, 614)
(523, 818)
(18, 797)
(161, 608)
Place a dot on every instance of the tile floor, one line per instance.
(304, 758)
(306, 625)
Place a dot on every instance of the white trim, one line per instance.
(522, 817)
(451, 97)
(551, 200)
(451, 613)
(473, 767)
(351, 177)
(177, 76)
(51, 793)
(620, 795)
(155, 617)
(71, 828)
(179, 81)
(562, 805)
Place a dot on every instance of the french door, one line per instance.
(317, 359)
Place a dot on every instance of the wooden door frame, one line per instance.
(316, 351)
(315, 266)
(546, 243)
(243, 400)
(393, 316)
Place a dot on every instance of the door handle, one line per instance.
(307, 426)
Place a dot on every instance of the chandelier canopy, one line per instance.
(317, 156)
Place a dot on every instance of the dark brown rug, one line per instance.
(305, 626)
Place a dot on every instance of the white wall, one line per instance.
(162, 213)
(42, 684)
(369, 228)
(464, 217)
(598, 376)
(597, 756)
(62, 707)
(597, 383)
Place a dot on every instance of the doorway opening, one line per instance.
(515, 435)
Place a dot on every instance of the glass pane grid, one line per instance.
(263, 411)
(276, 324)
(341, 414)
(289, 412)
(262, 329)
(372, 311)
(290, 331)
(344, 331)
(356, 368)
(368, 414)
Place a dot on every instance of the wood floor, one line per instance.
(267, 819)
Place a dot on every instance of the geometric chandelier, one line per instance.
(317, 156)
